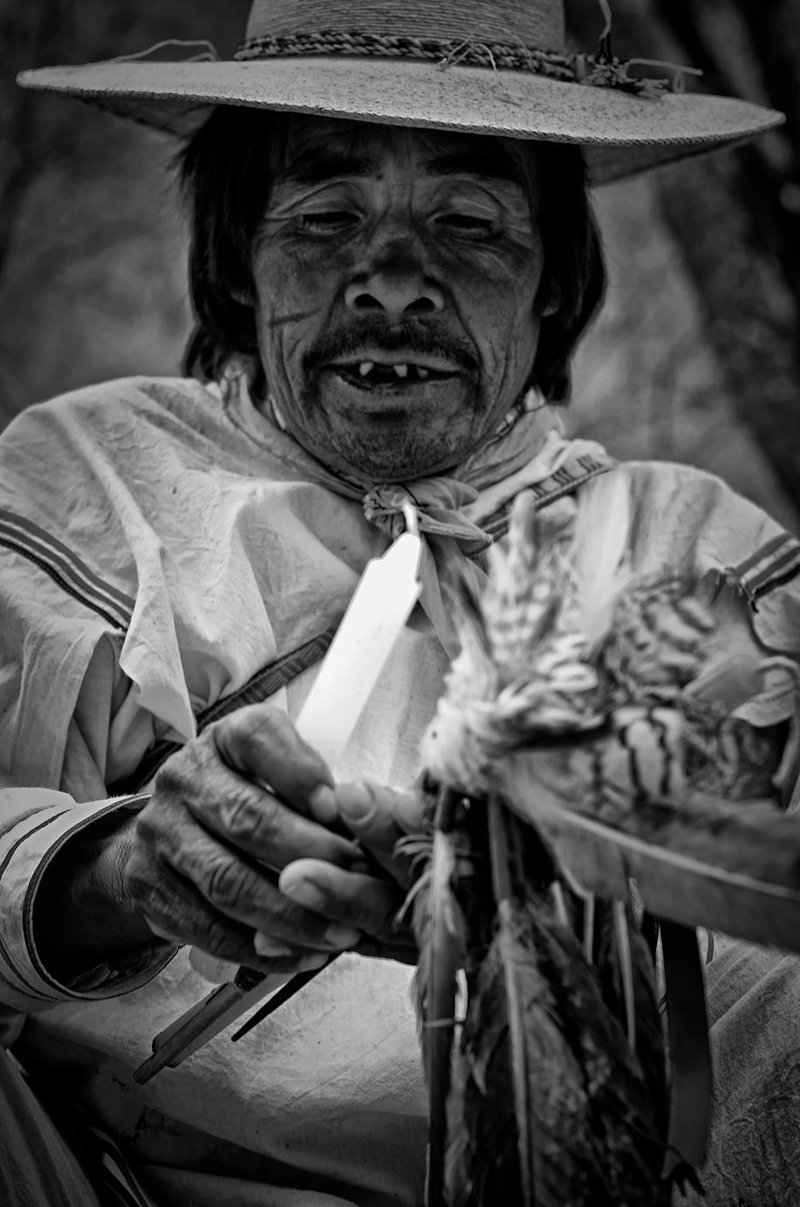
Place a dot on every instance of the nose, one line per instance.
(396, 288)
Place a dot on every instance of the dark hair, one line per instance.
(225, 172)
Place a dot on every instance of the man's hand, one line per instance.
(244, 804)
(228, 813)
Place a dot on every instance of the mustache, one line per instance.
(390, 338)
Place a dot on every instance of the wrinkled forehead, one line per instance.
(314, 148)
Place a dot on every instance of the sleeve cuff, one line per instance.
(26, 852)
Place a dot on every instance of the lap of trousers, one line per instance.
(754, 1156)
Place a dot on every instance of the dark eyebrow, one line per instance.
(320, 165)
(491, 164)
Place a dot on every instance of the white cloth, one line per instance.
(195, 513)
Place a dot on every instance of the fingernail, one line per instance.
(313, 960)
(162, 932)
(266, 946)
(303, 892)
(355, 802)
(322, 803)
(342, 936)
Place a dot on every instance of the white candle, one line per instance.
(374, 619)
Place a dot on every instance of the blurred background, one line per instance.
(696, 357)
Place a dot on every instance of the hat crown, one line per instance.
(537, 23)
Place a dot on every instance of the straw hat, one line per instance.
(483, 66)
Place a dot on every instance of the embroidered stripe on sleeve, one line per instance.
(122, 974)
(771, 565)
(564, 481)
(65, 568)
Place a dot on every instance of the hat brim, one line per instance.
(622, 134)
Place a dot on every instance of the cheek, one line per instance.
(294, 295)
(281, 282)
(498, 304)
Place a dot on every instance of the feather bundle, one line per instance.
(584, 739)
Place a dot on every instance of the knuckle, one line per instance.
(226, 884)
(178, 771)
(218, 940)
(181, 775)
(246, 816)
(170, 780)
(252, 725)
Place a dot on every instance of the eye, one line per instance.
(328, 222)
(468, 225)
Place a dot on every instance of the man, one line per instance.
(385, 313)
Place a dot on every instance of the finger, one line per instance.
(241, 813)
(174, 910)
(353, 899)
(378, 817)
(243, 892)
(261, 743)
(260, 825)
(181, 915)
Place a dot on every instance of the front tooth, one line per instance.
(423, 373)
(401, 370)
(366, 367)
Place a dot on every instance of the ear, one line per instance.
(243, 296)
(549, 296)
(552, 302)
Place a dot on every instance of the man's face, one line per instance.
(396, 275)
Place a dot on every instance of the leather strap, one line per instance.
(690, 1055)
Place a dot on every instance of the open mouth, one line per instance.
(370, 374)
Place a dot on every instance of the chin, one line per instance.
(391, 433)
(391, 460)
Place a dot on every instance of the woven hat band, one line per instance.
(528, 22)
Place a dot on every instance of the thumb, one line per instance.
(378, 817)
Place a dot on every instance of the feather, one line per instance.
(481, 1163)
(624, 1128)
(600, 553)
(622, 809)
(501, 836)
(528, 583)
(625, 970)
(737, 871)
(649, 1032)
(483, 1166)
(440, 931)
(588, 926)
